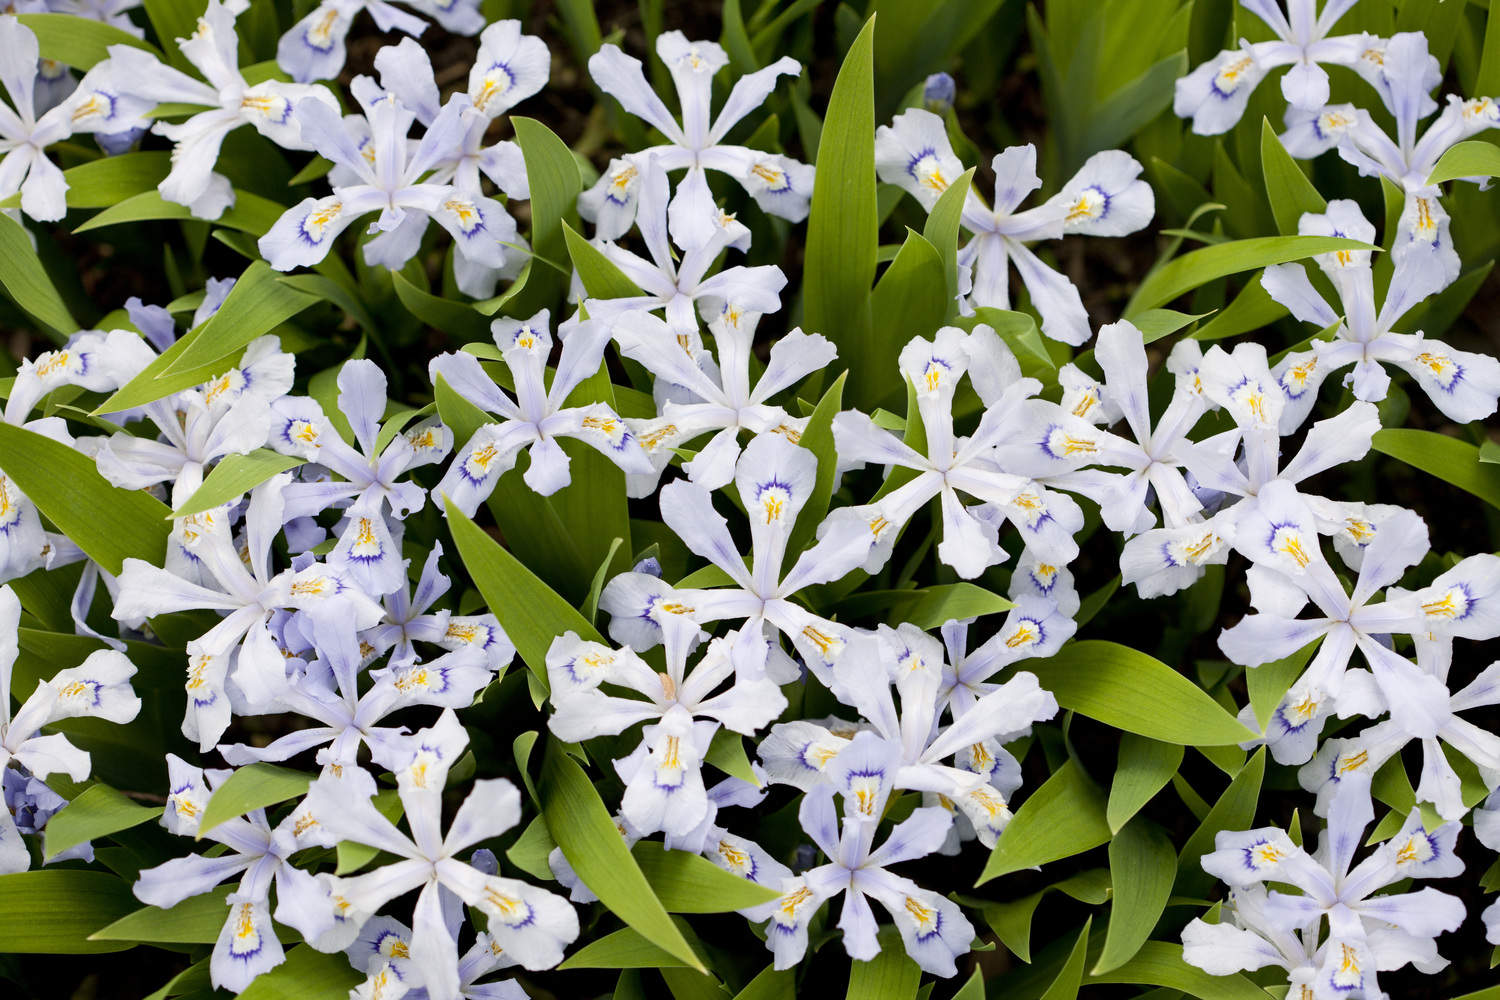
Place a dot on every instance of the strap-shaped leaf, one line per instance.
(583, 828)
(532, 613)
(110, 524)
(928, 607)
(457, 319)
(110, 180)
(1474, 158)
(601, 278)
(1065, 986)
(1287, 187)
(76, 42)
(1235, 810)
(196, 920)
(1142, 866)
(1453, 461)
(841, 229)
(1062, 818)
(1198, 267)
(1011, 921)
(1129, 690)
(53, 912)
(912, 297)
(250, 214)
(1144, 768)
(555, 185)
(305, 975)
(234, 476)
(818, 439)
(1159, 963)
(686, 883)
(253, 786)
(26, 281)
(626, 948)
(890, 975)
(98, 812)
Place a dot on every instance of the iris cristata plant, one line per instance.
(539, 415)
(1105, 198)
(780, 186)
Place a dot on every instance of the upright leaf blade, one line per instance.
(1145, 766)
(1062, 818)
(1142, 866)
(25, 279)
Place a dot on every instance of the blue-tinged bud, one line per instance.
(938, 93)
(650, 567)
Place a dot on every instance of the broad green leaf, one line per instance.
(910, 300)
(26, 281)
(196, 920)
(1129, 690)
(195, 981)
(555, 184)
(253, 786)
(1142, 866)
(109, 180)
(306, 975)
(624, 949)
(928, 607)
(942, 232)
(234, 476)
(174, 19)
(591, 607)
(98, 812)
(1159, 963)
(251, 213)
(1065, 986)
(1064, 817)
(973, 987)
(1235, 810)
(770, 985)
(1020, 333)
(531, 613)
(256, 304)
(1145, 766)
(890, 975)
(1252, 309)
(1451, 460)
(818, 439)
(1475, 158)
(342, 293)
(727, 753)
(1198, 267)
(1011, 921)
(841, 229)
(1287, 187)
(54, 911)
(78, 43)
(1269, 682)
(457, 319)
(108, 523)
(583, 828)
(531, 850)
(687, 883)
(601, 278)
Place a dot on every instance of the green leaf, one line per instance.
(531, 850)
(727, 753)
(194, 981)
(928, 607)
(911, 298)
(54, 912)
(1199, 267)
(256, 304)
(457, 319)
(1252, 309)
(1062, 818)
(583, 828)
(841, 229)
(234, 476)
(24, 278)
(78, 43)
(1235, 810)
(1474, 158)
(1011, 921)
(1142, 866)
(1020, 333)
(601, 278)
(109, 180)
(305, 975)
(1269, 682)
(108, 523)
(1065, 986)
(1287, 187)
(251, 213)
(1451, 460)
(770, 985)
(253, 786)
(1159, 963)
(686, 883)
(196, 920)
(531, 613)
(98, 812)
(818, 439)
(1145, 766)
(623, 949)
(942, 232)
(890, 975)
(555, 184)
(1129, 690)
(973, 987)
